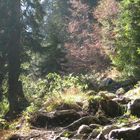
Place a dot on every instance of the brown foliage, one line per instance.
(106, 13)
(85, 52)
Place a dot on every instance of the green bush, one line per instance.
(37, 90)
(127, 38)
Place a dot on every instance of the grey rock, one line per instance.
(93, 134)
(106, 82)
(101, 137)
(125, 133)
(120, 91)
(94, 126)
(121, 100)
(58, 118)
(107, 95)
(80, 137)
(84, 129)
(108, 128)
(111, 108)
(133, 94)
(134, 107)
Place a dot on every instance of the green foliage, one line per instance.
(67, 134)
(52, 91)
(95, 98)
(125, 121)
(3, 107)
(127, 38)
(19, 32)
(36, 90)
(58, 83)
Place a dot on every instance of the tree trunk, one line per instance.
(14, 51)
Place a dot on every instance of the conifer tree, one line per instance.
(127, 40)
(19, 32)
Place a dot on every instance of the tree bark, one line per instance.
(13, 53)
(14, 56)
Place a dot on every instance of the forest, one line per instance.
(69, 69)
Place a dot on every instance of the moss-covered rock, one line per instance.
(53, 119)
(111, 108)
(131, 133)
(84, 129)
(134, 107)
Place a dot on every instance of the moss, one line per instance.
(67, 134)
(74, 98)
(127, 120)
(94, 98)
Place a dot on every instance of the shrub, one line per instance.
(53, 85)
(127, 38)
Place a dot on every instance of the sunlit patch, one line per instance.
(71, 96)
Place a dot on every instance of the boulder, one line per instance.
(122, 100)
(15, 137)
(110, 85)
(107, 95)
(125, 133)
(101, 137)
(94, 126)
(133, 93)
(87, 120)
(105, 82)
(106, 130)
(134, 107)
(58, 118)
(84, 129)
(120, 91)
(111, 108)
(93, 134)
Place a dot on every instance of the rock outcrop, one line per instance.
(106, 116)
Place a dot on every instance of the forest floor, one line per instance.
(111, 113)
